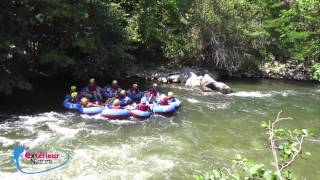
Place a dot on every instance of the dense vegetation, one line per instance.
(82, 38)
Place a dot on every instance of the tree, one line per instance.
(50, 38)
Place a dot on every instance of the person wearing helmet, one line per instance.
(124, 100)
(112, 89)
(153, 93)
(94, 90)
(115, 104)
(85, 103)
(121, 95)
(163, 100)
(75, 98)
(143, 106)
(73, 89)
(170, 97)
(133, 91)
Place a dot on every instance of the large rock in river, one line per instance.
(207, 83)
(193, 81)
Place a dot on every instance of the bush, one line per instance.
(315, 74)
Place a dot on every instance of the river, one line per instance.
(209, 130)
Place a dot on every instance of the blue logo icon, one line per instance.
(38, 158)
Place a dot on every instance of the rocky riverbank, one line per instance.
(275, 70)
(206, 80)
(196, 78)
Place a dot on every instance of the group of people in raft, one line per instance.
(113, 97)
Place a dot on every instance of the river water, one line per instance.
(209, 130)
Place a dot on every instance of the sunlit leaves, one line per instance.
(316, 71)
(294, 28)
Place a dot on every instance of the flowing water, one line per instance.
(207, 131)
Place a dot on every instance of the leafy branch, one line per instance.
(285, 153)
(285, 145)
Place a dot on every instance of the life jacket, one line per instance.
(143, 107)
(112, 90)
(153, 92)
(92, 87)
(164, 101)
(114, 87)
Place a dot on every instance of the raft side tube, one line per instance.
(115, 113)
(140, 114)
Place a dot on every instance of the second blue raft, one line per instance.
(115, 113)
(140, 114)
(164, 109)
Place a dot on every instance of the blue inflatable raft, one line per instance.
(77, 106)
(176, 103)
(140, 114)
(164, 109)
(115, 113)
(69, 105)
(91, 110)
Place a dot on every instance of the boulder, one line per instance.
(208, 82)
(176, 78)
(221, 87)
(207, 79)
(162, 80)
(193, 81)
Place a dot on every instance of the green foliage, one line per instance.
(229, 32)
(316, 71)
(288, 146)
(98, 38)
(54, 37)
(243, 169)
(295, 29)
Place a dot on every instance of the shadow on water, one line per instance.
(47, 95)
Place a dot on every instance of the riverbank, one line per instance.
(181, 74)
(291, 70)
(144, 76)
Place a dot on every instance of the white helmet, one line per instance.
(143, 100)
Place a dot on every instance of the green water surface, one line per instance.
(208, 130)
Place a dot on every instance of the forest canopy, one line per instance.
(84, 38)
